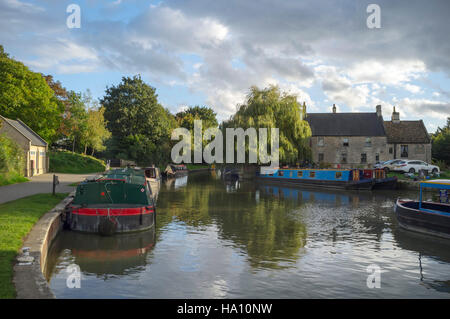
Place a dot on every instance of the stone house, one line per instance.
(34, 147)
(407, 139)
(348, 139)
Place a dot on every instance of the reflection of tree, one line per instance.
(263, 228)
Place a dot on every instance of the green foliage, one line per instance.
(25, 94)
(12, 162)
(441, 143)
(140, 126)
(270, 108)
(16, 220)
(73, 163)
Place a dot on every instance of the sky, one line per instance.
(210, 52)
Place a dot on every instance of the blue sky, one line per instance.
(211, 52)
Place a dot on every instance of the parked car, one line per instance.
(388, 165)
(414, 166)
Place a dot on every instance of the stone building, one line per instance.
(348, 139)
(34, 147)
(363, 139)
(407, 139)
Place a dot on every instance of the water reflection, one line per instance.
(103, 256)
(218, 238)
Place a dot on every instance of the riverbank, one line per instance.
(16, 220)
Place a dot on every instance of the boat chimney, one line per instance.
(395, 116)
(334, 108)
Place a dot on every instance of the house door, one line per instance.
(32, 167)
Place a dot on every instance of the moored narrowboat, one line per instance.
(118, 202)
(173, 170)
(329, 178)
(426, 217)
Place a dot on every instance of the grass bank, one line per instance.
(16, 220)
(11, 178)
(73, 163)
(196, 166)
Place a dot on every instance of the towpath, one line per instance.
(40, 184)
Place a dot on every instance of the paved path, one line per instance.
(40, 184)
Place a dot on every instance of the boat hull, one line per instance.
(356, 185)
(411, 218)
(110, 220)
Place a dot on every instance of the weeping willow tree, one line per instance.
(271, 108)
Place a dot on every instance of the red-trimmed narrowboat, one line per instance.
(120, 201)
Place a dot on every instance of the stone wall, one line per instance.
(420, 152)
(333, 149)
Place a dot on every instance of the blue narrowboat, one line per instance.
(426, 217)
(363, 179)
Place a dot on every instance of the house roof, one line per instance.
(345, 124)
(20, 126)
(406, 132)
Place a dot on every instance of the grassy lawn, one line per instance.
(16, 220)
(443, 175)
(73, 163)
(7, 179)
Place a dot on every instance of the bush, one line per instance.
(12, 161)
(73, 163)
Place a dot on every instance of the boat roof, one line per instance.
(437, 183)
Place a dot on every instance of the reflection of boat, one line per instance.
(116, 255)
(173, 170)
(119, 201)
(230, 174)
(426, 217)
(366, 179)
(176, 182)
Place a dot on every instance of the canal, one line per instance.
(216, 239)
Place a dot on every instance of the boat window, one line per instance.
(312, 174)
(299, 173)
(280, 173)
(338, 175)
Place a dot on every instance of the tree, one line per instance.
(96, 129)
(441, 143)
(25, 95)
(139, 125)
(270, 108)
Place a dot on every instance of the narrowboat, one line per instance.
(173, 170)
(426, 217)
(359, 179)
(119, 201)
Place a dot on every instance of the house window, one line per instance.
(391, 150)
(377, 157)
(404, 150)
(420, 149)
(32, 153)
(368, 142)
(345, 142)
(344, 158)
(320, 142)
(363, 158)
(42, 153)
(312, 174)
(320, 157)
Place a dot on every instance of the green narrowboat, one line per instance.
(119, 201)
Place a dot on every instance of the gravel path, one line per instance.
(40, 184)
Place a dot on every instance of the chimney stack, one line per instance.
(334, 108)
(379, 110)
(395, 116)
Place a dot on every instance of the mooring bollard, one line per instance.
(55, 182)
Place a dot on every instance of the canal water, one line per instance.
(217, 239)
